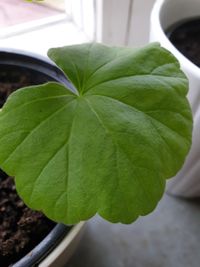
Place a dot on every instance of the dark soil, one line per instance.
(10, 83)
(20, 228)
(17, 222)
(185, 36)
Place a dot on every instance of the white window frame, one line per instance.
(31, 25)
(116, 22)
(24, 27)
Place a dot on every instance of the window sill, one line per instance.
(43, 37)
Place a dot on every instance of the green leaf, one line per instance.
(107, 149)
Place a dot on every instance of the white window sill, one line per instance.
(40, 39)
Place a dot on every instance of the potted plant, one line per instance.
(18, 69)
(106, 142)
(171, 21)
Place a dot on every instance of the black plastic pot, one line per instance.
(41, 71)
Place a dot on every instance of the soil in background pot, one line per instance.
(21, 229)
(185, 36)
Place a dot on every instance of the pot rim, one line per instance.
(72, 236)
(27, 53)
(41, 62)
(42, 249)
(155, 21)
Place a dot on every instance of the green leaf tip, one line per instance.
(108, 149)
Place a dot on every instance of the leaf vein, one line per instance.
(36, 128)
(118, 146)
(134, 76)
(36, 100)
(143, 112)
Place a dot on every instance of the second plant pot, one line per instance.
(165, 14)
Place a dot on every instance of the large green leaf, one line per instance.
(107, 149)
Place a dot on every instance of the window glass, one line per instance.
(15, 12)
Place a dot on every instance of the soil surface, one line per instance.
(185, 36)
(17, 222)
(9, 84)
